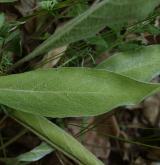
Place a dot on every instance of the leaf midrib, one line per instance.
(50, 92)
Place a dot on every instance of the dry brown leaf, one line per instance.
(151, 108)
(26, 7)
(140, 161)
(52, 58)
(99, 145)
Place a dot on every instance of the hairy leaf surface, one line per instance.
(141, 64)
(71, 91)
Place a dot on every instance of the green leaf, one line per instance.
(93, 20)
(71, 91)
(37, 153)
(47, 5)
(141, 64)
(145, 53)
(78, 8)
(101, 45)
(56, 137)
(34, 155)
(149, 28)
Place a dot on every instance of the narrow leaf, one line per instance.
(71, 91)
(93, 20)
(56, 137)
(37, 153)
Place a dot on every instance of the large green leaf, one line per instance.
(141, 64)
(71, 91)
(114, 13)
(56, 137)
